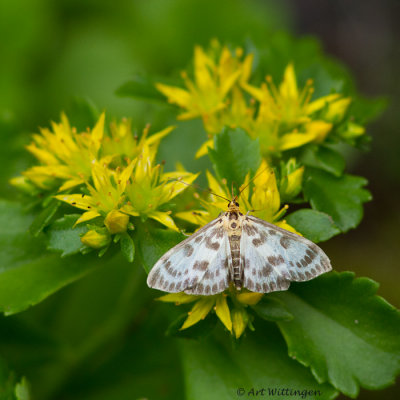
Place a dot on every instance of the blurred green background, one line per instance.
(54, 50)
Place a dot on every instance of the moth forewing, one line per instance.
(273, 257)
(239, 249)
(198, 265)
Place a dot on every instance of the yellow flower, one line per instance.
(65, 156)
(116, 221)
(215, 74)
(236, 114)
(235, 319)
(140, 189)
(107, 194)
(122, 143)
(287, 117)
(149, 188)
(263, 200)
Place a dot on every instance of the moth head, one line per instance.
(233, 205)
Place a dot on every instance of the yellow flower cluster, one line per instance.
(283, 117)
(260, 196)
(114, 175)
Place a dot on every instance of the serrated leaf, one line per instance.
(324, 158)
(152, 243)
(272, 309)
(127, 247)
(63, 237)
(215, 371)
(28, 272)
(343, 331)
(234, 155)
(314, 225)
(341, 198)
(140, 87)
(44, 217)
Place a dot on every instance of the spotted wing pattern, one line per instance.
(272, 257)
(198, 265)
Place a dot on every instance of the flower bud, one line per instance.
(23, 184)
(116, 221)
(96, 238)
(352, 131)
(291, 181)
(337, 109)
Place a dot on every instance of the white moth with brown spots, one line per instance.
(239, 249)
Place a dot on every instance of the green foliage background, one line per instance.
(82, 345)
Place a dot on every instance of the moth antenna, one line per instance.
(199, 188)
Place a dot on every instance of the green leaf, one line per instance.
(82, 113)
(197, 331)
(324, 158)
(234, 155)
(7, 382)
(44, 218)
(28, 272)
(314, 225)
(152, 243)
(22, 390)
(63, 237)
(140, 87)
(215, 371)
(341, 198)
(364, 109)
(127, 247)
(272, 309)
(343, 331)
(10, 389)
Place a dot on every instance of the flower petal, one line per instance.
(203, 150)
(98, 132)
(319, 129)
(172, 189)
(222, 311)
(163, 218)
(288, 87)
(293, 140)
(87, 216)
(70, 184)
(199, 311)
(284, 225)
(239, 321)
(76, 200)
(196, 217)
(156, 137)
(128, 209)
(320, 103)
(178, 298)
(176, 95)
(249, 298)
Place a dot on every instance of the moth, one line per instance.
(239, 250)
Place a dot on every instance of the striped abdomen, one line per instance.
(237, 278)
